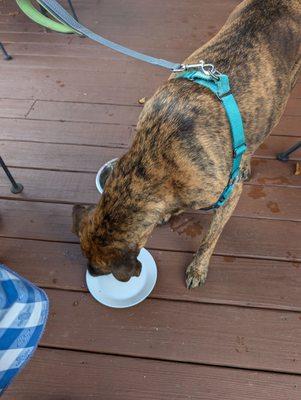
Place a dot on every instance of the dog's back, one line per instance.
(182, 153)
(260, 49)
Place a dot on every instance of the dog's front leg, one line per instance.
(246, 170)
(196, 272)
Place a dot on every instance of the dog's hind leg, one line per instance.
(165, 219)
(196, 272)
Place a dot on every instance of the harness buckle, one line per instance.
(220, 97)
(238, 151)
(234, 180)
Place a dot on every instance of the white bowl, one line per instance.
(106, 289)
(103, 174)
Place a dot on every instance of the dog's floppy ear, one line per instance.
(77, 215)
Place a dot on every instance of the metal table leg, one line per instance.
(285, 155)
(44, 12)
(16, 187)
(7, 57)
(72, 10)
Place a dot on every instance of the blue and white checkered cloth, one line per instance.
(23, 315)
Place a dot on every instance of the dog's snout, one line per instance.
(92, 270)
(138, 268)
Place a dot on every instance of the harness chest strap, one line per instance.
(221, 88)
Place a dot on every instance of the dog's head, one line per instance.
(104, 254)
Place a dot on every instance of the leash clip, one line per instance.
(206, 69)
(186, 67)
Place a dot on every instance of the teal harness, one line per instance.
(220, 86)
(201, 73)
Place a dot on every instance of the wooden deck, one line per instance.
(66, 107)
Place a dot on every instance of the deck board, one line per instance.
(257, 201)
(85, 133)
(138, 379)
(231, 280)
(59, 85)
(15, 108)
(103, 135)
(71, 157)
(200, 333)
(243, 237)
(68, 105)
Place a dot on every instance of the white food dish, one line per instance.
(103, 174)
(112, 293)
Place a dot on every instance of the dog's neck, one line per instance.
(129, 209)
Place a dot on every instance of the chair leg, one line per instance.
(7, 57)
(285, 155)
(16, 187)
(72, 10)
(43, 11)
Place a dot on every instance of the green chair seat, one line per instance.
(27, 7)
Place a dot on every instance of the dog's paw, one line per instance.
(195, 277)
(246, 176)
(246, 173)
(164, 219)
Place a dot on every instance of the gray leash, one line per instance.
(61, 14)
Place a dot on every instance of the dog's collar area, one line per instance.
(219, 84)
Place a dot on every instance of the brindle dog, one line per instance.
(181, 156)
